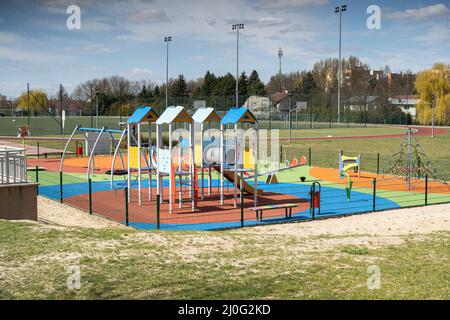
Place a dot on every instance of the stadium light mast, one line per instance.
(340, 9)
(167, 40)
(237, 27)
(280, 55)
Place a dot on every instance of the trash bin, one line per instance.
(79, 151)
(317, 199)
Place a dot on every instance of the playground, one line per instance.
(137, 180)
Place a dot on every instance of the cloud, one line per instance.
(148, 16)
(8, 37)
(262, 22)
(435, 10)
(435, 35)
(95, 48)
(18, 55)
(140, 72)
(197, 58)
(286, 5)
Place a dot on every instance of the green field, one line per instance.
(239, 264)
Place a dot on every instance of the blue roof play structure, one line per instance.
(238, 115)
(143, 114)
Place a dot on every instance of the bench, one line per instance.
(287, 207)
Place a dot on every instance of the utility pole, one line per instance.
(340, 9)
(237, 27)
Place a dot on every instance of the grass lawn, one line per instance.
(237, 264)
(325, 152)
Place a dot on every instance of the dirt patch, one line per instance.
(54, 213)
(402, 222)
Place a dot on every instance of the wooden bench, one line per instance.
(287, 207)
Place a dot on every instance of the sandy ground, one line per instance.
(54, 213)
(421, 220)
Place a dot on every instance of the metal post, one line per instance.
(158, 203)
(309, 156)
(237, 27)
(433, 104)
(167, 40)
(126, 205)
(374, 194)
(426, 189)
(61, 107)
(28, 102)
(37, 179)
(96, 110)
(242, 199)
(312, 201)
(378, 163)
(38, 149)
(290, 120)
(409, 158)
(60, 187)
(340, 67)
(90, 195)
(92, 111)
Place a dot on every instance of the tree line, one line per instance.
(118, 95)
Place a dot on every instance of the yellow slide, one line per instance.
(229, 175)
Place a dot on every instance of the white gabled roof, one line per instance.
(205, 114)
(174, 114)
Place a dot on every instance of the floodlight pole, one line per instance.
(96, 109)
(339, 10)
(167, 40)
(280, 55)
(237, 27)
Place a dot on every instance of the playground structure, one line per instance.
(345, 164)
(212, 180)
(411, 162)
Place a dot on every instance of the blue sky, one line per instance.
(119, 37)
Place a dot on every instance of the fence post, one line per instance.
(38, 150)
(242, 207)
(158, 203)
(126, 205)
(309, 156)
(37, 178)
(281, 153)
(90, 195)
(378, 163)
(60, 187)
(374, 194)
(426, 189)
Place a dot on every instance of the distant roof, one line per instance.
(279, 96)
(143, 114)
(174, 114)
(406, 97)
(238, 115)
(206, 115)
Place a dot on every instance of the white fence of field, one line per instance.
(13, 165)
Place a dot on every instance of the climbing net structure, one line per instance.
(411, 162)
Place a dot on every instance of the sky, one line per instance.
(126, 38)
